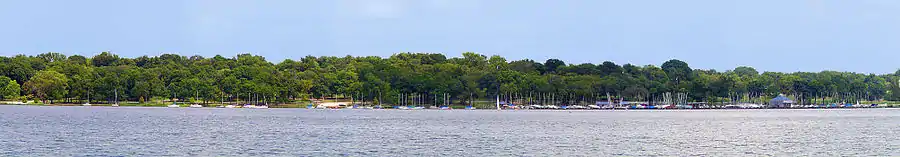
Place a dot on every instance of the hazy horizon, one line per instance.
(769, 35)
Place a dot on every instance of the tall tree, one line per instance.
(48, 85)
(552, 65)
(104, 59)
(8, 88)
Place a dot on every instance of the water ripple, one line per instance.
(125, 131)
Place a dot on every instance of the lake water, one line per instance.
(127, 131)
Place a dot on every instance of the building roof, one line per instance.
(782, 99)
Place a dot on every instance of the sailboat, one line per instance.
(446, 105)
(498, 102)
(265, 103)
(174, 103)
(117, 97)
(249, 99)
(88, 103)
(196, 105)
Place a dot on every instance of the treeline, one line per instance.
(56, 77)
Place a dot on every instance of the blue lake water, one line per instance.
(134, 131)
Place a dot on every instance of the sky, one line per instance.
(769, 35)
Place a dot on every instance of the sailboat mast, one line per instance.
(498, 102)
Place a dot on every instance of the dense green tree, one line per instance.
(610, 68)
(677, 70)
(552, 65)
(526, 66)
(52, 57)
(8, 88)
(104, 59)
(744, 71)
(48, 85)
(77, 59)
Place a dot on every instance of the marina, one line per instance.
(434, 78)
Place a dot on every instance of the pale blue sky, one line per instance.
(772, 35)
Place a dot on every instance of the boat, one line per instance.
(733, 107)
(444, 108)
(116, 91)
(594, 107)
(576, 107)
(757, 106)
(174, 103)
(220, 106)
(229, 106)
(470, 107)
(196, 106)
(608, 107)
(257, 106)
(498, 102)
(88, 103)
(553, 107)
(847, 105)
(331, 105)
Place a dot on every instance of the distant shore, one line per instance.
(454, 107)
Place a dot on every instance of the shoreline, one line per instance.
(292, 107)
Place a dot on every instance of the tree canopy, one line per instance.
(54, 76)
(48, 85)
(8, 88)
